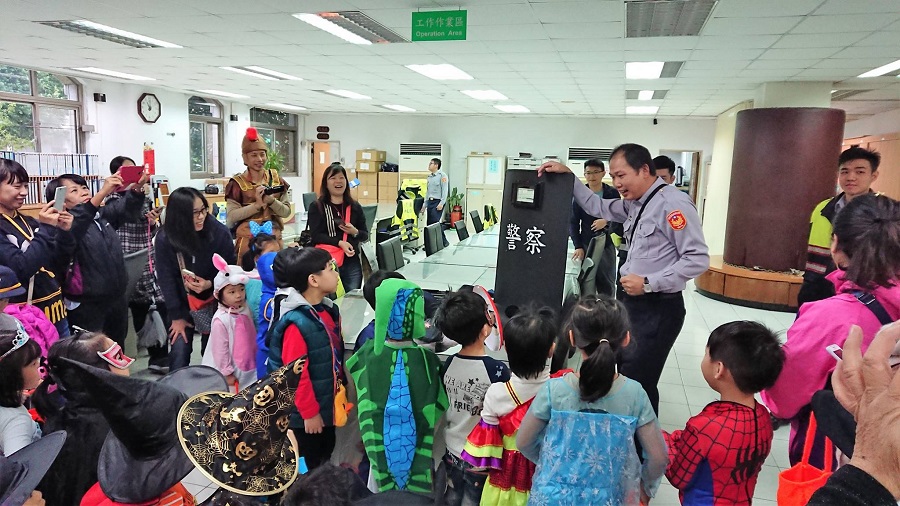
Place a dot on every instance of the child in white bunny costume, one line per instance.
(232, 340)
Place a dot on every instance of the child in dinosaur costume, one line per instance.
(400, 393)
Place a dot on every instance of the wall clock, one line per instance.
(149, 108)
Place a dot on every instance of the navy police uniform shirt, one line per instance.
(668, 247)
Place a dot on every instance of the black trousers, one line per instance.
(107, 315)
(159, 355)
(316, 449)
(656, 321)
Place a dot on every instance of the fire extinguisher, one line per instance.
(149, 158)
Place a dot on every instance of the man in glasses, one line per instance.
(583, 228)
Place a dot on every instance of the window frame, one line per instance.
(35, 100)
(217, 120)
(294, 132)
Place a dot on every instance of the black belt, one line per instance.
(656, 296)
(430, 199)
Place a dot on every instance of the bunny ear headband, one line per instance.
(230, 274)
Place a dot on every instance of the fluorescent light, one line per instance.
(323, 24)
(225, 94)
(273, 73)
(512, 108)
(286, 106)
(249, 73)
(645, 95)
(643, 69)
(882, 70)
(485, 94)
(349, 94)
(123, 33)
(113, 73)
(401, 108)
(441, 72)
(641, 109)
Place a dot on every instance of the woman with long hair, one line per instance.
(865, 246)
(337, 221)
(185, 270)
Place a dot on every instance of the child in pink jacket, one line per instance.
(232, 340)
(866, 250)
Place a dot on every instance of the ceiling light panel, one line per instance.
(113, 73)
(289, 107)
(249, 73)
(400, 108)
(645, 95)
(485, 94)
(441, 72)
(349, 94)
(641, 109)
(109, 33)
(512, 108)
(655, 94)
(273, 73)
(882, 70)
(352, 26)
(666, 18)
(643, 69)
(218, 93)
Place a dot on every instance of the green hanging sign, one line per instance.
(438, 25)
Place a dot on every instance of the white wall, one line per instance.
(718, 180)
(884, 123)
(506, 135)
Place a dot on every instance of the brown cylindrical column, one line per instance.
(785, 162)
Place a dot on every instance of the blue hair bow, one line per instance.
(256, 228)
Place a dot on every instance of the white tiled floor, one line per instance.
(683, 391)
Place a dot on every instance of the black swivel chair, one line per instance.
(369, 212)
(434, 241)
(309, 198)
(461, 231)
(384, 252)
(476, 222)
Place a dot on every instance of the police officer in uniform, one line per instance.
(666, 249)
(436, 193)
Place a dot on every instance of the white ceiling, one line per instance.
(556, 57)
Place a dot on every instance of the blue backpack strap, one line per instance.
(874, 306)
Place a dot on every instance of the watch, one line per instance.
(647, 288)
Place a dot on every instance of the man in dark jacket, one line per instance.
(583, 228)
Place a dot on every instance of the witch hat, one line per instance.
(239, 441)
(140, 458)
(21, 472)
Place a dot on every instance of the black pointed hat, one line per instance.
(239, 441)
(21, 472)
(140, 458)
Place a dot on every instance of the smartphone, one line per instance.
(270, 190)
(131, 174)
(59, 198)
(338, 223)
(835, 351)
(188, 274)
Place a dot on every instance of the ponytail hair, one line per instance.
(868, 232)
(599, 327)
(248, 261)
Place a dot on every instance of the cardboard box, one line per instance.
(368, 166)
(390, 179)
(367, 178)
(367, 193)
(370, 155)
(367, 201)
(387, 194)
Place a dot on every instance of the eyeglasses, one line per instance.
(593, 172)
(18, 341)
(201, 212)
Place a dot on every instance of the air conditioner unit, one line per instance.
(414, 156)
(577, 157)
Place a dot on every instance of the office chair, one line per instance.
(476, 222)
(433, 241)
(309, 198)
(369, 212)
(461, 230)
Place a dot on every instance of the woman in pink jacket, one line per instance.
(866, 249)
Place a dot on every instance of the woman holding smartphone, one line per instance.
(184, 268)
(865, 246)
(337, 220)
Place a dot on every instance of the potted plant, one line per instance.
(455, 202)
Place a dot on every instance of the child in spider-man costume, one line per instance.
(717, 458)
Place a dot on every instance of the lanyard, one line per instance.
(638, 219)
(28, 235)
